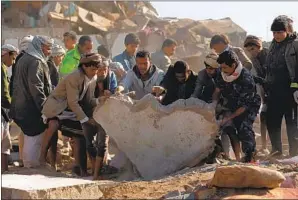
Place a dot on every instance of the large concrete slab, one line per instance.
(38, 186)
(157, 139)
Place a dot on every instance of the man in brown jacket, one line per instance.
(221, 43)
(73, 99)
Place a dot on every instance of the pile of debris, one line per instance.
(111, 20)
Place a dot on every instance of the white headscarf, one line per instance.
(8, 48)
(34, 48)
(234, 76)
(57, 50)
(25, 41)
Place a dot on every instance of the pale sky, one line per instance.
(255, 17)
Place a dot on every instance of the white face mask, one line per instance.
(234, 76)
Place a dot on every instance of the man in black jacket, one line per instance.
(25, 41)
(179, 83)
(282, 85)
(31, 87)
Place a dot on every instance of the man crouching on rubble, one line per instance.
(179, 83)
(69, 100)
(237, 87)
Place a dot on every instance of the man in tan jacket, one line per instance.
(73, 99)
(221, 43)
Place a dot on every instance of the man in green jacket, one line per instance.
(72, 57)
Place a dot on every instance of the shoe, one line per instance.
(249, 157)
(275, 154)
(265, 151)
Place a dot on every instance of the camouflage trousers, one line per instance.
(241, 128)
(245, 132)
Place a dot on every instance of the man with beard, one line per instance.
(180, 83)
(31, 86)
(142, 77)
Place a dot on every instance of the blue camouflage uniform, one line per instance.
(240, 93)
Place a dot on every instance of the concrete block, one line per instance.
(157, 139)
(19, 186)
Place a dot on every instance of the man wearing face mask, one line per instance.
(180, 83)
(32, 85)
(237, 87)
(282, 81)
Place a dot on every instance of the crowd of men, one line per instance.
(52, 89)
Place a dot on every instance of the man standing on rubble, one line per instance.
(142, 77)
(8, 56)
(32, 85)
(127, 57)
(282, 86)
(161, 59)
(70, 40)
(258, 54)
(23, 46)
(72, 58)
(237, 87)
(221, 43)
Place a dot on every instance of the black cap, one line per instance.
(280, 23)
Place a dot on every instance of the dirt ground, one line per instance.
(156, 189)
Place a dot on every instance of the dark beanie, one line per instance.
(180, 66)
(280, 23)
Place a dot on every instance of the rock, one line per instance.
(17, 186)
(188, 188)
(172, 194)
(157, 139)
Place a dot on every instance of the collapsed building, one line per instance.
(109, 21)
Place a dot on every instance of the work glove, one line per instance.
(295, 95)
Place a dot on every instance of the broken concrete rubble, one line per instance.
(157, 139)
(106, 18)
(37, 186)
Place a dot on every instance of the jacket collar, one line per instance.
(149, 74)
(76, 53)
